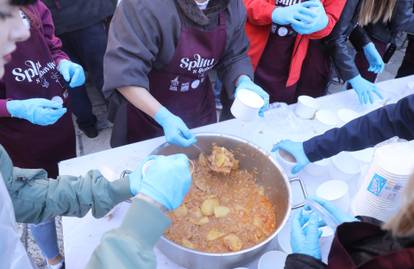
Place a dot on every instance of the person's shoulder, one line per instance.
(152, 6)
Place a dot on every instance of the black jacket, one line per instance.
(370, 250)
(369, 130)
(346, 28)
(72, 15)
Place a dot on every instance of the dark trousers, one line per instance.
(86, 47)
(407, 66)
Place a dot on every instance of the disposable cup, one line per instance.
(318, 168)
(306, 107)
(326, 118)
(345, 167)
(346, 115)
(336, 192)
(364, 156)
(286, 160)
(273, 260)
(246, 105)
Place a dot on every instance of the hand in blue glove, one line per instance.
(175, 130)
(166, 180)
(318, 24)
(37, 110)
(364, 89)
(376, 63)
(339, 215)
(244, 82)
(305, 235)
(72, 73)
(294, 14)
(297, 151)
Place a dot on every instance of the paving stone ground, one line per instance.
(86, 145)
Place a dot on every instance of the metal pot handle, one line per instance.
(304, 192)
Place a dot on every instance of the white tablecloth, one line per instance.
(82, 235)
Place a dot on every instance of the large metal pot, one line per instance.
(270, 175)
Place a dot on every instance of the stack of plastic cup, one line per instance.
(382, 187)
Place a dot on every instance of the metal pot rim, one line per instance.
(270, 237)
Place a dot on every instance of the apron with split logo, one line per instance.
(32, 73)
(183, 86)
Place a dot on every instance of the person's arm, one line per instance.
(37, 198)
(141, 99)
(259, 12)
(235, 61)
(337, 46)
(301, 261)
(403, 18)
(53, 42)
(369, 130)
(4, 113)
(359, 38)
(132, 244)
(333, 9)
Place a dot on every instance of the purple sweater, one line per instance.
(54, 44)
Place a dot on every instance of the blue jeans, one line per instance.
(86, 47)
(46, 238)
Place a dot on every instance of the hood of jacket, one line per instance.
(201, 17)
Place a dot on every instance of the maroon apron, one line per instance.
(362, 63)
(349, 234)
(273, 69)
(183, 86)
(32, 73)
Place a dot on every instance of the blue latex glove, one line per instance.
(364, 89)
(318, 24)
(72, 73)
(167, 180)
(244, 82)
(297, 151)
(175, 130)
(38, 111)
(337, 213)
(376, 63)
(294, 14)
(305, 235)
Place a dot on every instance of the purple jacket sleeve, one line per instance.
(53, 42)
(3, 109)
(367, 131)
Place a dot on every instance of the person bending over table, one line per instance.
(366, 131)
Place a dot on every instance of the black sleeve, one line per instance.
(369, 130)
(359, 38)
(403, 18)
(337, 42)
(300, 261)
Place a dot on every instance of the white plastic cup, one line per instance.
(346, 115)
(380, 193)
(318, 168)
(345, 167)
(336, 192)
(286, 160)
(364, 156)
(306, 107)
(326, 118)
(272, 260)
(246, 105)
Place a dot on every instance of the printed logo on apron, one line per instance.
(32, 70)
(196, 65)
(284, 30)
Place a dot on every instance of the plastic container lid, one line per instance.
(396, 159)
(250, 98)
